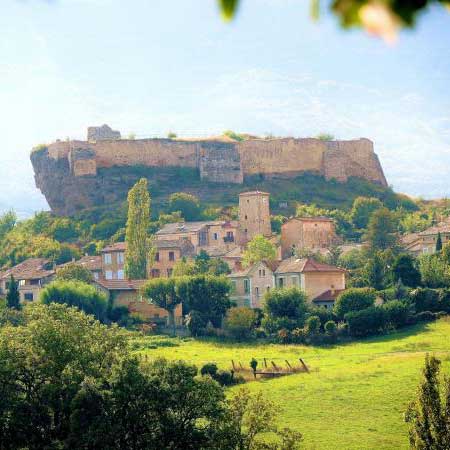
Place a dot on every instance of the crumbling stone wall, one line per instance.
(82, 162)
(220, 163)
(102, 133)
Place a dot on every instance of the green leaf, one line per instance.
(228, 8)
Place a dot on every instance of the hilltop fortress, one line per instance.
(74, 175)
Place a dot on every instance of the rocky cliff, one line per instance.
(75, 175)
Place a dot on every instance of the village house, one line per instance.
(167, 254)
(92, 263)
(313, 277)
(254, 215)
(307, 233)
(249, 285)
(31, 275)
(425, 241)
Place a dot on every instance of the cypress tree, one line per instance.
(136, 232)
(13, 297)
(439, 242)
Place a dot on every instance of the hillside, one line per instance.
(356, 394)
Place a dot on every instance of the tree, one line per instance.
(136, 231)
(381, 230)
(354, 299)
(433, 271)
(12, 296)
(365, 322)
(74, 271)
(325, 137)
(240, 322)
(375, 272)
(439, 242)
(284, 308)
(163, 292)
(362, 209)
(8, 221)
(187, 204)
(404, 269)
(428, 415)
(258, 249)
(76, 293)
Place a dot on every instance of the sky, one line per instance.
(150, 67)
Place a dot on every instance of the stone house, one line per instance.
(31, 275)
(313, 277)
(127, 293)
(254, 215)
(167, 254)
(92, 263)
(307, 233)
(249, 285)
(113, 261)
(425, 241)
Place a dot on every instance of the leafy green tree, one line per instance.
(428, 415)
(284, 308)
(75, 272)
(136, 237)
(258, 249)
(8, 221)
(187, 204)
(76, 293)
(354, 299)
(381, 230)
(207, 294)
(433, 271)
(375, 271)
(12, 296)
(163, 292)
(312, 325)
(365, 322)
(439, 242)
(362, 209)
(445, 253)
(196, 323)
(404, 269)
(240, 322)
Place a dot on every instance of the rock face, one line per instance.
(75, 175)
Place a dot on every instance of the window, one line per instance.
(280, 282)
(294, 280)
(268, 288)
(107, 258)
(171, 256)
(260, 272)
(120, 258)
(120, 275)
(169, 272)
(246, 286)
(35, 282)
(246, 217)
(109, 274)
(264, 272)
(257, 291)
(28, 296)
(95, 275)
(157, 256)
(21, 282)
(155, 273)
(233, 286)
(215, 236)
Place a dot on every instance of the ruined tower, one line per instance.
(254, 214)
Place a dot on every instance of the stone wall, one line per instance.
(220, 163)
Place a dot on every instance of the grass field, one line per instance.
(355, 395)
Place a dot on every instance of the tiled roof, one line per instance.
(245, 272)
(121, 285)
(313, 219)
(254, 193)
(236, 252)
(168, 243)
(301, 265)
(443, 227)
(181, 227)
(409, 238)
(328, 296)
(90, 262)
(33, 268)
(117, 247)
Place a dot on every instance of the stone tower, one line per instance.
(254, 214)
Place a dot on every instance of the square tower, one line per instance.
(254, 214)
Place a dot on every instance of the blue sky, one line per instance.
(149, 67)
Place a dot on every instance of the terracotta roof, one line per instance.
(245, 272)
(32, 268)
(185, 245)
(301, 265)
(117, 247)
(328, 296)
(121, 285)
(443, 227)
(181, 227)
(312, 219)
(409, 238)
(90, 262)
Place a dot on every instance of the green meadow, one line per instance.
(355, 394)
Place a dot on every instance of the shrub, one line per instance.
(118, 313)
(354, 299)
(426, 299)
(298, 336)
(284, 336)
(209, 369)
(312, 325)
(425, 316)
(240, 322)
(366, 321)
(330, 327)
(397, 313)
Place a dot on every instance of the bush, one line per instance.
(397, 313)
(367, 321)
(273, 325)
(312, 325)
(209, 369)
(284, 336)
(76, 293)
(426, 299)
(330, 327)
(118, 314)
(240, 322)
(425, 316)
(354, 299)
